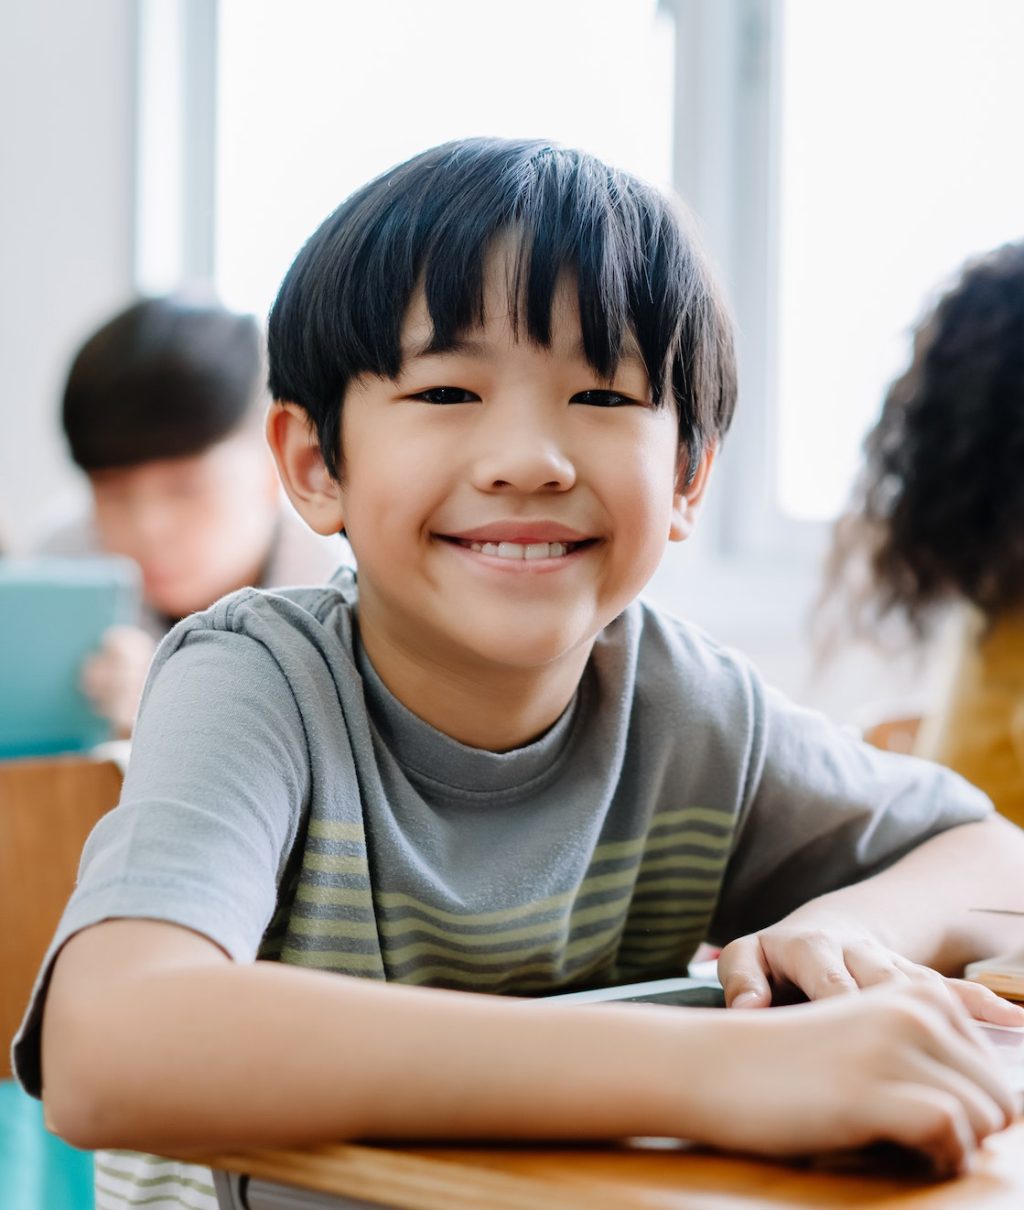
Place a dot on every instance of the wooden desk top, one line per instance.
(644, 1175)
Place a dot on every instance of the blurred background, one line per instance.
(843, 160)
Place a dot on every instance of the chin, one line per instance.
(173, 606)
(524, 650)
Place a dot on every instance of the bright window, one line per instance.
(900, 156)
(317, 96)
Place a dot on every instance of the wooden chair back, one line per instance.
(47, 809)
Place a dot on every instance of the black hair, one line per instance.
(165, 378)
(429, 223)
(937, 513)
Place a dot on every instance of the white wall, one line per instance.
(67, 86)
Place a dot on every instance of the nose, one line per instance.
(521, 451)
(149, 524)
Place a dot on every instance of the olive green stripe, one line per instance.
(472, 980)
(336, 959)
(541, 970)
(679, 839)
(662, 943)
(313, 926)
(613, 909)
(423, 949)
(617, 880)
(664, 819)
(582, 974)
(612, 850)
(683, 861)
(661, 908)
(335, 829)
(692, 882)
(344, 897)
(665, 926)
(335, 863)
(391, 900)
(147, 1182)
(335, 896)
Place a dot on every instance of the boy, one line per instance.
(162, 410)
(503, 369)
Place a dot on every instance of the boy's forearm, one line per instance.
(923, 906)
(316, 1056)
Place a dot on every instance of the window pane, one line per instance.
(317, 96)
(900, 157)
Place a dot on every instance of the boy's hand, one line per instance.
(797, 956)
(897, 1065)
(114, 676)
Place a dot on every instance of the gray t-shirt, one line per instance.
(280, 801)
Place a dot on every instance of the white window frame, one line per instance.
(176, 144)
(726, 160)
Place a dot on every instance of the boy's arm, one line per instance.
(153, 1039)
(918, 910)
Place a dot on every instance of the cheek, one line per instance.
(646, 474)
(116, 527)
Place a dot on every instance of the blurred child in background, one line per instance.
(937, 519)
(163, 410)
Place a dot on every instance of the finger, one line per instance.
(815, 963)
(744, 973)
(984, 1005)
(984, 1111)
(928, 1120)
(94, 677)
(963, 1050)
(871, 965)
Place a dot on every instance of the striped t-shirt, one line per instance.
(281, 802)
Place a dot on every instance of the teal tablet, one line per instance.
(53, 613)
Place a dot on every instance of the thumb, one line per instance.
(743, 972)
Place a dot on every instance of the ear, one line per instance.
(300, 464)
(689, 496)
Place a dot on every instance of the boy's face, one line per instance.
(198, 526)
(503, 502)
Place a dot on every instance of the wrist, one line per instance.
(692, 1093)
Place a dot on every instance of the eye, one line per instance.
(606, 399)
(446, 395)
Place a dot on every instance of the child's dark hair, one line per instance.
(938, 510)
(430, 222)
(165, 378)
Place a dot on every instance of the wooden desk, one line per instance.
(646, 1175)
(47, 809)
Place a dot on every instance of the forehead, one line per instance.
(154, 473)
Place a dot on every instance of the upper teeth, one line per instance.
(517, 550)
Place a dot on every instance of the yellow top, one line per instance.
(978, 729)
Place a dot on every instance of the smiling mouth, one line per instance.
(521, 550)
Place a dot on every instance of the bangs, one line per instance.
(431, 225)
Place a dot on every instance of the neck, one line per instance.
(489, 706)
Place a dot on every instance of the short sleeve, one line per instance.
(822, 810)
(209, 812)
